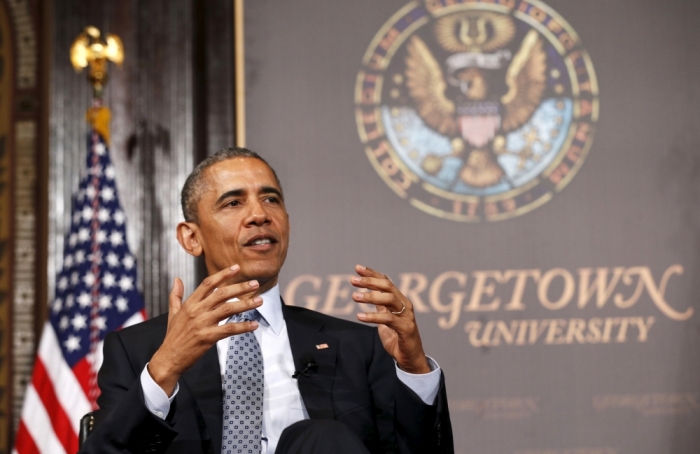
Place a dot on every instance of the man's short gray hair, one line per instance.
(196, 183)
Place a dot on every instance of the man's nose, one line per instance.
(258, 214)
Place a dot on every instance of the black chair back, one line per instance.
(86, 423)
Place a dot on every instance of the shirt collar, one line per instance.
(270, 310)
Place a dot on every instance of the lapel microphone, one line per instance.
(309, 364)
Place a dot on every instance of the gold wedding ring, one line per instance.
(401, 311)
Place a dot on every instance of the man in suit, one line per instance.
(329, 385)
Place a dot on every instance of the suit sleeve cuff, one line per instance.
(157, 401)
(426, 386)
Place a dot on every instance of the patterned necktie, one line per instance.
(243, 392)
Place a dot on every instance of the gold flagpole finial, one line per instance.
(90, 49)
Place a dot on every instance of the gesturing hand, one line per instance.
(193, 325)
(395, 319)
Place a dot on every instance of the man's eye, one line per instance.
(233, 203)
(273, 199)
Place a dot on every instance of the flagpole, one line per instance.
(91, 50)
(93, 392)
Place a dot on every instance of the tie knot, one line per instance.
(246, 316)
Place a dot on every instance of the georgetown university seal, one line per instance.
(476, 110)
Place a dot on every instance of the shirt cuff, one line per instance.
(157, 401)
(425, 385)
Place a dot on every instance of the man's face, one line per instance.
(243, 220)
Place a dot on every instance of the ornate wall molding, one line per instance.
(19, 209)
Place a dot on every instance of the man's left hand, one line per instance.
(395, 319)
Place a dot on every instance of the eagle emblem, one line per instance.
(484, 106)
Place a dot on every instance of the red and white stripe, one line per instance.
(57, 398)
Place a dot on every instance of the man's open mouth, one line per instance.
(261, 240)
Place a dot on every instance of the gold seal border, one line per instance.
(508, 195)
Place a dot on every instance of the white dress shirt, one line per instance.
(282, 402)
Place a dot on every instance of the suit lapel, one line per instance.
(204, 380)
(310, 343)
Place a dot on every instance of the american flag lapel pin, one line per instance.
(321, 346)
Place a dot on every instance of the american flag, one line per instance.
(95, 293)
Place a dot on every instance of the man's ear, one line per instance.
(188, 237)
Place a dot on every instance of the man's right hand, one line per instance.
(193, 325)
